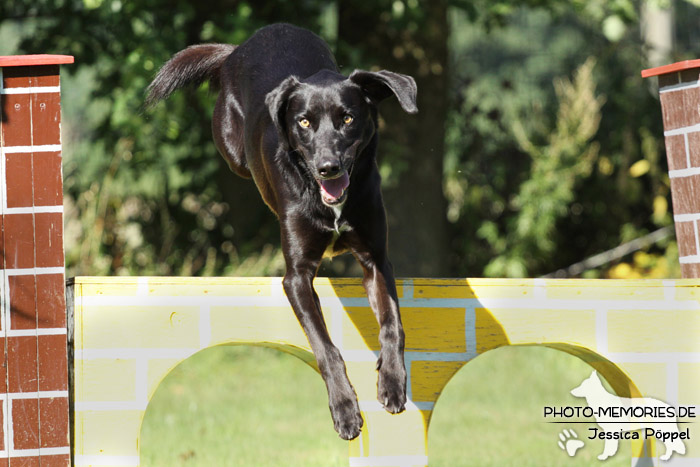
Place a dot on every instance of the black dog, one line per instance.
(307, 135)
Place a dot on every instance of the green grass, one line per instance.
(252, 406)
(491, 413)
(241, 406)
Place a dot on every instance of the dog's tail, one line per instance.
(192, 66)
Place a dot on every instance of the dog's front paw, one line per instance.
(346, 418)
(391, 385)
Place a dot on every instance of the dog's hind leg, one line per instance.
(227, 128)
(303, 253)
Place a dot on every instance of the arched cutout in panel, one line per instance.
(491, 413)
(240, 405)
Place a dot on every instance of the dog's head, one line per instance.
(329, 119)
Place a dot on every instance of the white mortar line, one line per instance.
(31, 90)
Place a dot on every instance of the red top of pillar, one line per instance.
(672, 68)
(35, 60)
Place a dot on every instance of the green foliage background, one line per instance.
(552, 145)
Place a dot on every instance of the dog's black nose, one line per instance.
(328, 168)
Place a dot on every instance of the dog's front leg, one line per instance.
(381, 291)
(303, 254)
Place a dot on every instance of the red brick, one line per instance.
(2, 427)
(669, 79)
(3, 374)
(4, 462)
(51, 300)
(31, 76)
(2, 242)
(55, 461)
(680, 108)
(19, 241)
(48, 182)
(685, 192)
(26, 461)
(16, 126)
(694, 149)
(675, 152)
(22, 365)
(685, 235)
(22, 302)
(25, 424)
(689, 76)
(17, 76)
(46, 118)
(53, 363)
(45, 75)
(690, 270)
(19, 180)
(54, 426)
(49, 239)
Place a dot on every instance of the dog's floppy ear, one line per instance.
(276, 101)
(378, 85)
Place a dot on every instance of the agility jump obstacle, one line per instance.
(642, 336)
(126, 334)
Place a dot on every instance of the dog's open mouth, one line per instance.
(333, 190)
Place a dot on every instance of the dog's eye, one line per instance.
(304, 123)
(347, 119)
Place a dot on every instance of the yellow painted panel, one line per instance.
(360, 319)
(472, 288)
(355, 447)
(428, 378)
(530, 326)
(687, 289)
(402, 434)
(109, 287)
(650, 378)
(346, 288)
(175, 286)
(363, 377)
(488, 331)
(250, 324)
(209, 290)
(605, 289)
(173, 327)
(77, 325)
(108, 433)
(654, 330)
(689, 387)
(105, 379)
(427, 329)
(158, 368)
(442, 289)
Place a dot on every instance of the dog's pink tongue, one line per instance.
(334, 188)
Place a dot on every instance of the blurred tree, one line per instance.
(411, 38)
(504, 95)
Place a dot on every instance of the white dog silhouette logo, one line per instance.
(620, 418)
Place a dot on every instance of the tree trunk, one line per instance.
(412, 42)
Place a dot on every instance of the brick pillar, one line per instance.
(34, 371)
(679, 91)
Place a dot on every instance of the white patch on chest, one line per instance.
(338, 210)
(338, 230)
